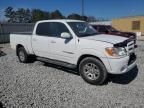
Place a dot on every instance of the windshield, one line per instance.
(82, 29)
(110, 28)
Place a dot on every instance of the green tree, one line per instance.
(10, 14)
(38, 14)
(56, 15)
(28, 16)
(74, 16)
(85, 18)
(18, 16)
(23, 15)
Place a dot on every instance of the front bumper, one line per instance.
(122, 65)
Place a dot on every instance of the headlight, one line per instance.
(116, 52)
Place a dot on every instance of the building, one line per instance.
(130, 24)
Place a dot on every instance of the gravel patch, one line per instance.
(40, 85)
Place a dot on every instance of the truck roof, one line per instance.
(60, 20)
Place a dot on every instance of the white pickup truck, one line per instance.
(75, 44)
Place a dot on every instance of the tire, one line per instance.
(93, 71)
(22, 55)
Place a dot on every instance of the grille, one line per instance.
(130, 47)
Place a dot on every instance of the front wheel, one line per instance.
(93, 71)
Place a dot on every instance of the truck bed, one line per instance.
(23, 33)
(23, 38)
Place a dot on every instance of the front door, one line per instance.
(61, 49)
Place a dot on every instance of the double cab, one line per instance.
(76, 44)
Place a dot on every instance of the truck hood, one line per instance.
(106, 38)
(124, 34)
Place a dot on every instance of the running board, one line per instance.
(60, 63)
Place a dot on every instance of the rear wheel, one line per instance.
(93, 71)
(22, 55)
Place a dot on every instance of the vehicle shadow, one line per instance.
(71, 71)
(124, 78)
(119, 79)
(1, 105)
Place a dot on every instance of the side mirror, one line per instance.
(66, 35)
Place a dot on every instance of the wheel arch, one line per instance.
(87, 55)
(17, 47)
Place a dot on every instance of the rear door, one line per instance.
(41, 41)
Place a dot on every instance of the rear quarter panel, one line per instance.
(24, 40)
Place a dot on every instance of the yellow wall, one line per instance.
(125, 24)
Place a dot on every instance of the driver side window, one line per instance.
(52, 29)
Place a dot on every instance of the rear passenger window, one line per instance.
(53, 29)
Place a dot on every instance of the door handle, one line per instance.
(53, 41)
